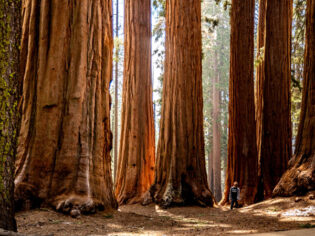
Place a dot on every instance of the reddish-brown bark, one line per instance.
(180, 167)
(242, 151)
(273, 117)
(64, 146)
(137, 145)
(300, 177)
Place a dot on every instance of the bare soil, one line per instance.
(152, 220)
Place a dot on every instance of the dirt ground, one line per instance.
(267, 216)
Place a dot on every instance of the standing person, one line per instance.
(234, 195)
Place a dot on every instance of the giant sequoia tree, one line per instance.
(10, 12)
(180, 167)
(300, 177)
(273, 112)
(64, 146)
(242, 151)
(136, 155)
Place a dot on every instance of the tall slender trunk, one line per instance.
(116, 94)
(137, 146)
(10, 87)
(63, 156)
(242, 151)
(181, 176)
(274, 116)
(300, 177)
(216, 133)
(210, 169)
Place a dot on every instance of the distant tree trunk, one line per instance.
(116, 96)
(10, 87)
(181, 176)
(259, 88)
(242, 150)
(216, 133)
(64, 146)
(300, 177)
(274, 116)
(210, 169)
(137, 146)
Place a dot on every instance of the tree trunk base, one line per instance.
(185, 195)
(299, 179)
(27, 199)
(85, 205)
(125, 200)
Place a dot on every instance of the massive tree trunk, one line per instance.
(274, 117)
(137, 146)
(10, 87)
(181, 176)
(64, 146)
(300, 177)
(216, 133)
(242, 151)
(259, 87)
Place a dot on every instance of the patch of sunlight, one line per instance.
(114, 226)
(241, 231)
(299, 219)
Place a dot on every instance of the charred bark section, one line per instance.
(274, 115)
(300, 176)
(137, 146)
(242, 163)
(180, 167)
(63, 156)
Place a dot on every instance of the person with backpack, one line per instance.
(234, 195)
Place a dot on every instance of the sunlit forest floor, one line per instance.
(279, 214)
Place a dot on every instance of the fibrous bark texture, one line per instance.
(300, 176)
(259, 87)
(180, 167)
(10, 32)
(137, 146)
(64, 146)
(242, 150)
(274, 115)
(216, 133)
